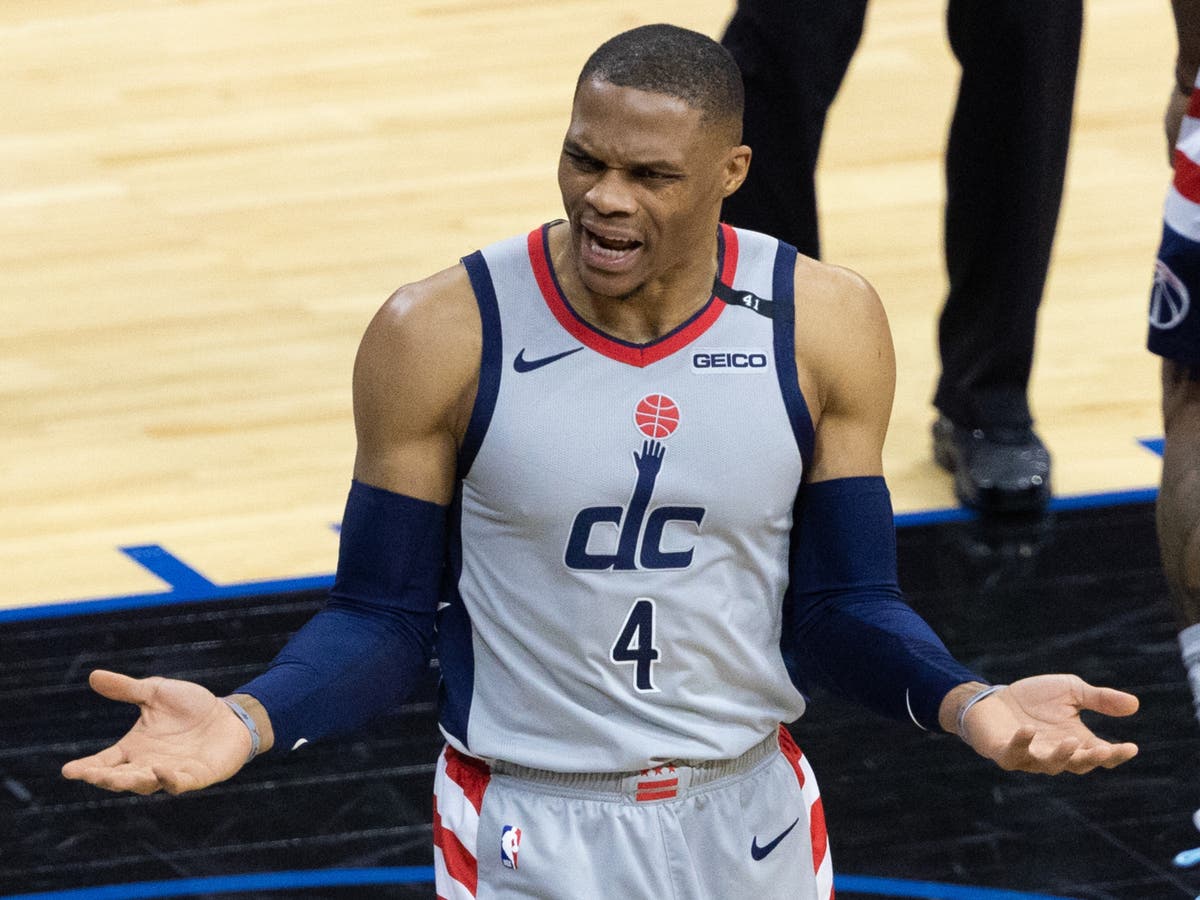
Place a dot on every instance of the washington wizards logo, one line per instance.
(638, 528)
(1169, 298)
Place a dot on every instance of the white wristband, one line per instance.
(248, 721)
(962, 712)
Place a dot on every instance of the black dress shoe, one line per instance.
(996, 470)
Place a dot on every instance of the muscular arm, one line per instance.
(854, 631)
(847, 369)
(413, 388)
(853, 628)
(414, 383)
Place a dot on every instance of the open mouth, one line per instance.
(609, 249)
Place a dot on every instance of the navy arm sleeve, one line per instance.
(847, 624)
(370, 645)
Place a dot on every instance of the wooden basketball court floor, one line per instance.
(202, 204)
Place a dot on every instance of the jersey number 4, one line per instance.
(635, 644)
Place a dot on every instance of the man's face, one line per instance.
(642, 181)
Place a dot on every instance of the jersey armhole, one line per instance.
(490, 361)
(784, 321)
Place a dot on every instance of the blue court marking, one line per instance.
(930, 890)
(230, 884)
(1057, 504)
(934, 516)
(182, 578)
(187, 590)
(277, 881)
(1116, 498)
(1154, 445)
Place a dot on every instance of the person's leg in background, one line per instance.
(1005, 166)
(793, 55)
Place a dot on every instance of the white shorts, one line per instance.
(749, 827)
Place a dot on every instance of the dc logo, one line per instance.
(657, 416)
(510, 845)
(1169, 298)
(637, 529)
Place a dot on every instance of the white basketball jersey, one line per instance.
(620, 533)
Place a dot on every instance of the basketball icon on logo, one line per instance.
(657, 416)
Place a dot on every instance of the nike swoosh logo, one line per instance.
(521, 364)
(761, 852)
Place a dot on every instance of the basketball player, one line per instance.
(617, 459)
(1175, 336)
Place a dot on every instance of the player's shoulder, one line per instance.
(843, 342)
(439, 309)
(433, 321)
(836, 309)
(426, 338)
(832, 292)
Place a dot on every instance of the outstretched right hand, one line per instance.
(185, 739)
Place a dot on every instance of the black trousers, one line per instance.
(1005, 163)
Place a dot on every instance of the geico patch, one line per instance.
(708, 362)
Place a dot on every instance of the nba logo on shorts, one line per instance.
(510, 843)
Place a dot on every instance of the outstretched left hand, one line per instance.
(1033, 725)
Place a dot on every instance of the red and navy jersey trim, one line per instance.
(640, 355)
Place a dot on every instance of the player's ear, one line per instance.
(737, 166)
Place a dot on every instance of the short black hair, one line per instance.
(667, 59)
